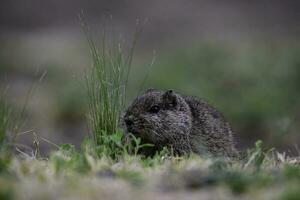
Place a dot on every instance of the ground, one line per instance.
(80, 175)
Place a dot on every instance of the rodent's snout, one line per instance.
(129, 121)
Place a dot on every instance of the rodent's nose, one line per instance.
(128, 122)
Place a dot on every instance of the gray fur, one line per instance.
(183, 123)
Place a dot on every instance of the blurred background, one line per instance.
(241, 56)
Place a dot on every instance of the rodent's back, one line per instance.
(210, 131)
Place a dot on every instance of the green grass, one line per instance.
(12, 119)
(106, 83)
(6, 121)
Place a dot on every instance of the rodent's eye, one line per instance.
(154, 109)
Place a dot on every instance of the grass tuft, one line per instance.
(11, 120)
(106, 83)
(5, 121)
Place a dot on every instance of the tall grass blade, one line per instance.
(106, 82)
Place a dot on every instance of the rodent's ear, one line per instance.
(170, 99)
(150, 90)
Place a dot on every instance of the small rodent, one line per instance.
(181, 123)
